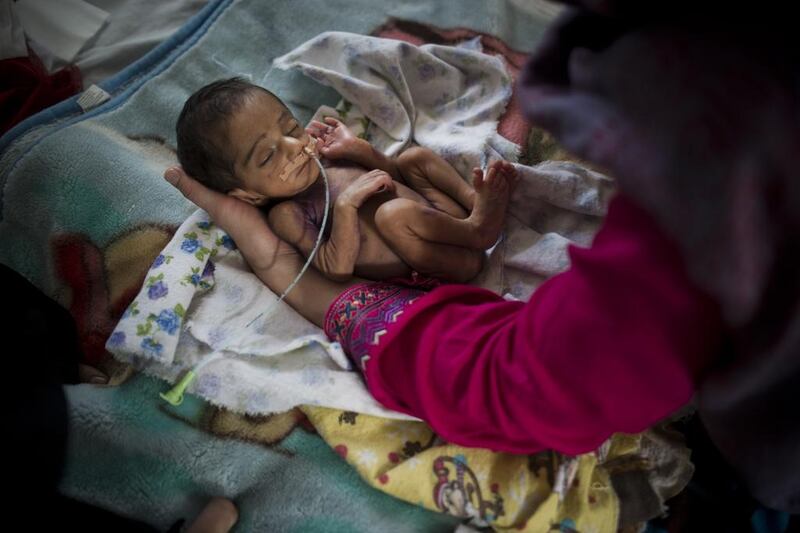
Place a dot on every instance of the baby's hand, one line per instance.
(366, 185)
(336, 141)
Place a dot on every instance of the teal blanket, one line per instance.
(84, 211)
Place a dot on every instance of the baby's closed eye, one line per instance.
(266, 158)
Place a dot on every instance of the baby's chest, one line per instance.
(340, 177)
(373, 247)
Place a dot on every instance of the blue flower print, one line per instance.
(160, 260)
(190, 245)
(151, 347)
(227, 242)
(131, 310)
(196, 279)
(168, 321)
(117, 338)
(157, 290)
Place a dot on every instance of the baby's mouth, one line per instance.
(299, 161)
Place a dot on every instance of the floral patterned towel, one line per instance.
(193, 313)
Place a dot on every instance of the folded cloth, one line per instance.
(446, 98)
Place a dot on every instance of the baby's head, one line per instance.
(240, 139)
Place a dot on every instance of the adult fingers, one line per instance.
(193, 190)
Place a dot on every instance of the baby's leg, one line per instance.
(492, 193)
(436, 180)
(440, 184)
(430, 241)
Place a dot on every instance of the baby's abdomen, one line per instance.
(376, 260)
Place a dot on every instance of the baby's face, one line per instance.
(268, 147)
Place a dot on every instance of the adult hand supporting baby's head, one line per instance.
(193, 190)
(231, 214)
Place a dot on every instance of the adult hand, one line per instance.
(226, 211)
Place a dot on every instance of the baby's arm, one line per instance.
(336, 141)
(336, 257)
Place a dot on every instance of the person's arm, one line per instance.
(337, 255)
(275, 262)
(611, 345)
(336, 141)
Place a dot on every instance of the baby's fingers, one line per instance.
(388, 185)
(316, 129)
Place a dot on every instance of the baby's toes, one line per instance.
(506, 168)
(498, 183)
(502, 184)
(477, 178)
(491, 178)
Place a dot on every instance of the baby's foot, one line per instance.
(492, 193)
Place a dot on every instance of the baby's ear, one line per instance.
(252, 198)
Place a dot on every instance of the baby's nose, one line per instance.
(295, 146)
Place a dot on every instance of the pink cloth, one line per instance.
(612, 345)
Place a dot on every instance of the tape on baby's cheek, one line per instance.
(293, 165)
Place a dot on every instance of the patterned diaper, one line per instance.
(359, 317)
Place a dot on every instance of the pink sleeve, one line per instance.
(611, 345)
